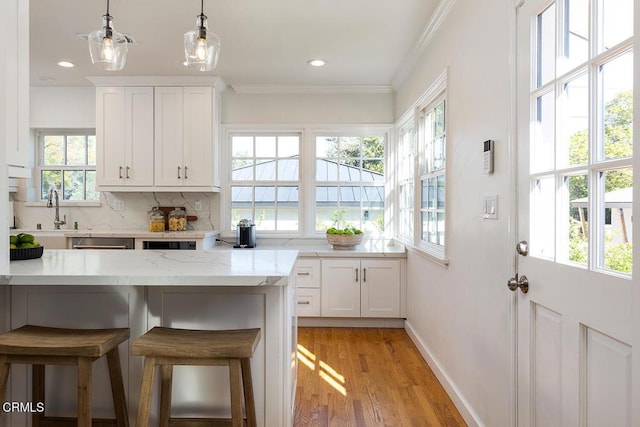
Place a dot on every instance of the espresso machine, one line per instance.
(245, 234)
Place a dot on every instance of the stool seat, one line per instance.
(170, 342)
(40, 345)
(167, 347)
(40, 340)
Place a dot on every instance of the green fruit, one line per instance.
(13, 246)
(26, 238)
(25, 245)
(331, 230)
(13, 239)
(36, 244)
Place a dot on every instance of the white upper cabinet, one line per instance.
(124, 137)
(15, 65)
(153, 135)
(184, 138)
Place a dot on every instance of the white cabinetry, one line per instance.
(360, 288)
(14, 77)
(124, 134)
(307, 274)
(184, 138)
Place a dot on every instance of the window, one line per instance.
(67, 163)
(406, 181)
(432, 139)
(420, 170)
(349, 182)
(265, 181)
(581, 135)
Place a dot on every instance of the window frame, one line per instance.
(228, 223)
(436, 93)
(306, 198)
(39, 135)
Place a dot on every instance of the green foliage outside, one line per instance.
(618, 143)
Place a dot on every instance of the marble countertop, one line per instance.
(108, 267)
(321, 248)
(138, 234)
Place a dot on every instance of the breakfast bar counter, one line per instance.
(218, 289)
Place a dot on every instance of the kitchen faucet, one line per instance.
(56, 222)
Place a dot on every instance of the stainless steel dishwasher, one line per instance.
(103, 243)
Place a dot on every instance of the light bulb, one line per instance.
(201, 49)
(107, 49)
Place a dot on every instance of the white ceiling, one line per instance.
(264, 42)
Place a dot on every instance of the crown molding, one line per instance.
(214, 81)
(439, 15)
(285, 89)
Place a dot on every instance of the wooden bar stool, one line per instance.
(39, 346)
(168, 347)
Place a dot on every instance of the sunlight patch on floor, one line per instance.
(325, 371)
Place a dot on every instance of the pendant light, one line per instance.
(107, 47)
(201, 47)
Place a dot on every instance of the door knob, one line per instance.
(521, 282)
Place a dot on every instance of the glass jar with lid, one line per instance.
(177, 220)
(155, 220)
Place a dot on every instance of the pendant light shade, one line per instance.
(201, 47)
(107, 47)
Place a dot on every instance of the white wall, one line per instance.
(460, 313)
(306, 108)
(62, 107)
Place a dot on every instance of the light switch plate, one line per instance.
(490, 207)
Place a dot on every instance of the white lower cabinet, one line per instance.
(360, 288)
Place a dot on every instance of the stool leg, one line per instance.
(37, 392)
(247, 385)
(5, 367)
(84, 391)
(117, 388)
(235, 380)
(165, 395)
(144, 405)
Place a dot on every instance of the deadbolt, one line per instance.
(522, 248)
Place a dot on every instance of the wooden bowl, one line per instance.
(344, 241)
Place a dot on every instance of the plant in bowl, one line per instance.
(344, 238)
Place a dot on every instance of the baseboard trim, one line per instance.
(346, 322)
(467, 412)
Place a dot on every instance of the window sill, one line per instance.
(66, 204)
(424, 253)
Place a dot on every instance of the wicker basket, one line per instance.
(344, 241)
(26, 253)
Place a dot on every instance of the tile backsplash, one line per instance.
(117, 211)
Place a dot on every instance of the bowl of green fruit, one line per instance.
(344, 238)
(24, 246)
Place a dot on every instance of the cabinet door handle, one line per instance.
(120, 172)
(357, 274)
(304, 302)
(364, 274)
(303, 273)
(179, 172)
(186, 168)
(127, 175)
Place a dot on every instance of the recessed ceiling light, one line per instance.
(66, 64)
(316, 62)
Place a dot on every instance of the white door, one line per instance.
(340, 289)
(574, 144)
(380, 288)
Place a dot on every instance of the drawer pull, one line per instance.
(304, 302)
(304, 273)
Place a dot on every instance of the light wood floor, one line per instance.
(367, 377)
